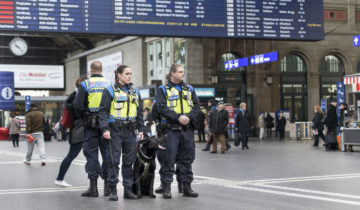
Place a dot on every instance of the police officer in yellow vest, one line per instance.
(178, 103)
(121, 115)
(86, 106)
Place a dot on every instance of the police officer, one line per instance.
(86, 106)
(178, 103)
(121, 114)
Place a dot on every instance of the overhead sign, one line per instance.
(205, 92)
(264, 58)
(232, 64)
(27, 103)
(109, 64)
(266, 19)
(356, 41)
(36, 76)
(7, 96)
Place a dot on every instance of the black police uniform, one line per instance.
(92, 139)
(123, 140)
(180, 147)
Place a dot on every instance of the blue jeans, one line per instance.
(65, 164)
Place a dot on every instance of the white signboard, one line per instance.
(109, 63)
(36, 76)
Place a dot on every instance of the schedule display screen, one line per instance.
(253, 19)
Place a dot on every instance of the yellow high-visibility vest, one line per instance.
(95, 87)
(125, 105)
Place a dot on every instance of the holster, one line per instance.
(91, 121)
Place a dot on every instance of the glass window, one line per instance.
(331, 64)
(167, 55)
(159, 59)
(150, 61)
(228, 57)
(292, 63)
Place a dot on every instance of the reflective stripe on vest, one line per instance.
(95, 87)
(174, 101)
(124, 106)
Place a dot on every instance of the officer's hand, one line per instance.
(106, 135)
(141, 135)
(184, 120)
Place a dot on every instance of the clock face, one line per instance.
(18, 46)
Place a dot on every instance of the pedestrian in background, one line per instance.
(14, 130)
(243, 125)
(212, 107)
(317, 125)
(76, 137)
(219, 122)
(34, 126)
(281, 125)
(201, 126)
(261, 125)
(269, 123)
(331, 124)
(47, 129)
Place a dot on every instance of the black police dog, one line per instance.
(145, 165)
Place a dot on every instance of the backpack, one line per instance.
(66, 118)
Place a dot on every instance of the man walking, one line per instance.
(219, 121)
(34, 126)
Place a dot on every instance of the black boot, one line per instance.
(167, 190)
(92, 191)
(160, 189)
(188, 192)
(128, 194)
(181, 187)
(112, 193)
(106, 188)
(207, 148)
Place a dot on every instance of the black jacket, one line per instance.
(243, 122)
(342, 117)
(219, 121)
(76, 134)
(316, 122)
(281, 123)
(200, 121)
(170, 115)
(269, 121)
(331, 118)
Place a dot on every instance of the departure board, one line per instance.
(252, 19)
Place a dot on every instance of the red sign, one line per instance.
(230, 110)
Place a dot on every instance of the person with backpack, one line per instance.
(76, 138)
(318, 125)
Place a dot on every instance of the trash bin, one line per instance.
(4, 133)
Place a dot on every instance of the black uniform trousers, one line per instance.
(122, 141)
(94, 141)
(180, 149)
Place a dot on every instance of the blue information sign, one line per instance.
(7, 96)
(264, 58)
(323, 104)
(356, 41)
(27, 103)
(340, 94)
(255, 19)
(242, 62)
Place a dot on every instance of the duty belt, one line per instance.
(178, 127)
(124, 124)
